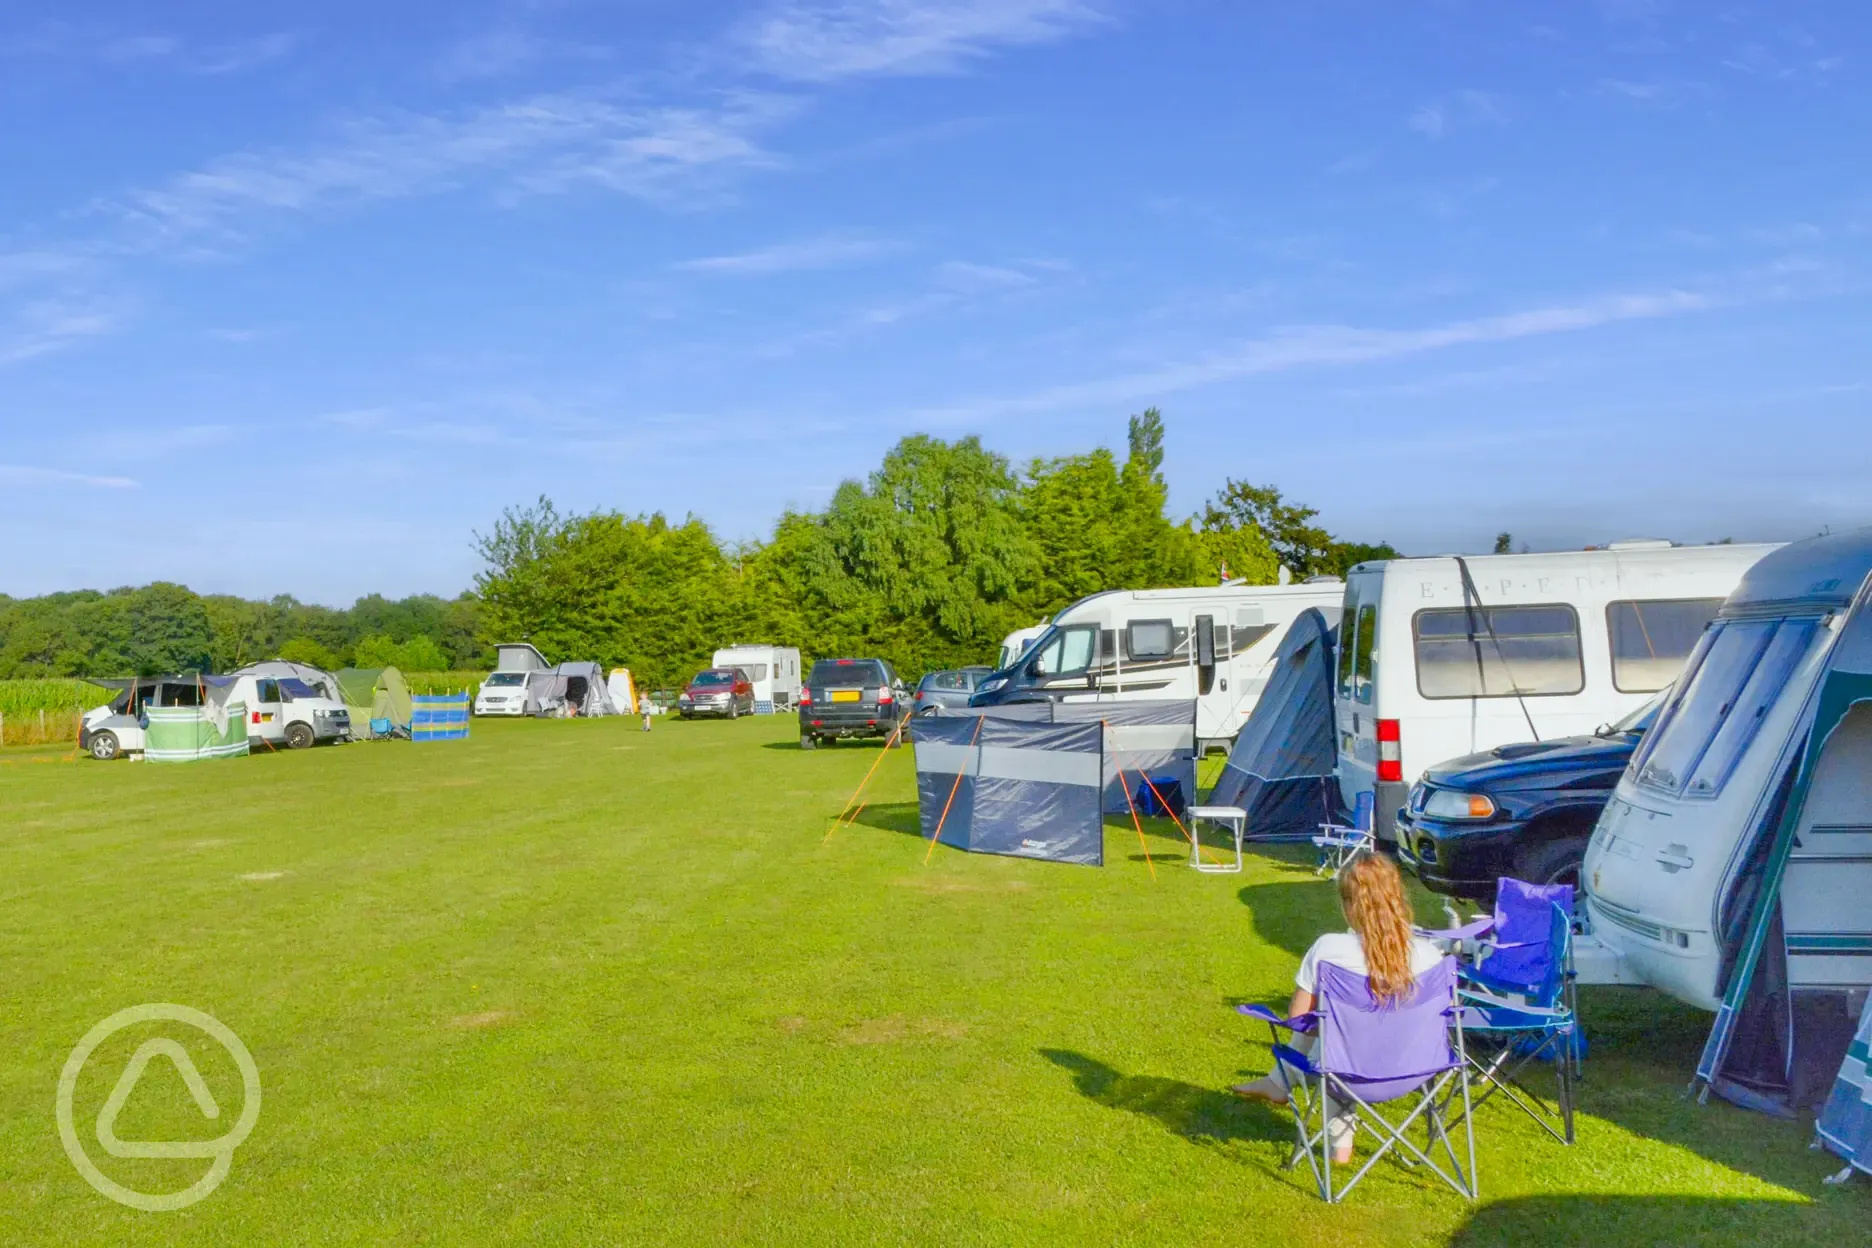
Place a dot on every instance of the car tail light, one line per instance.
(805, 697)
(884, 697)
(1390, 752)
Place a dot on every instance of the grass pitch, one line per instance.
(570, 983)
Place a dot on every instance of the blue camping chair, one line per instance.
(1407, 1058)
(1519, 1002)
(1338, 845)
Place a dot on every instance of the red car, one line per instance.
(724, 691)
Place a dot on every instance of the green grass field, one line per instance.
(569, 983)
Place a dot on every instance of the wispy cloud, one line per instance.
(966, 276)
(829, 252)
(822, 40)
(1660, 93)
(49, 325)
(1463, 110)
(242, 55)
(1310, 346)
(542, 144)
(58, 476)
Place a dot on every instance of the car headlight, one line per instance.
(1449, 804)
(989, 686)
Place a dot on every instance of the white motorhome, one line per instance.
(1212, 643)
(508, 688)
(291, 704)
(1676, 858)
(1451, 655)
(1015, 644)
(774, 671)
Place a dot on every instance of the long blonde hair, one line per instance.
(1372, 894)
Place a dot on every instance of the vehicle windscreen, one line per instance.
(713, 678)
(1639, 720)
(506, 680)
(846, 673)
(950, 680)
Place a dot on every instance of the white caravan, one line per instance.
(291, 704)
(1015, 644)
(507, 689)
(1452, 655)
(774, 671)
(1213, 644)
(1676, 858)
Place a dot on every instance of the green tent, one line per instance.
(375, 693)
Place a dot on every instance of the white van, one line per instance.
(291, 704)
(774, 671)
(1015, 644)
(1675, 861)
(1213, 643)
(1452, 655)
(508, 688)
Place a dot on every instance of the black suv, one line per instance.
(1524, 811)
(851, 698)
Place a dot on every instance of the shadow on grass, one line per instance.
(853, 743)
(1292, 913)
(891, 817)
(1203, 1115)
(1598, 1221)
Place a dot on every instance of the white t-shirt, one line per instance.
(1343, 950)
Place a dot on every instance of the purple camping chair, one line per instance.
(1406, 1058)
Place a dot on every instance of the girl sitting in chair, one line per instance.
(1381, 946)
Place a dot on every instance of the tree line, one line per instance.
(929, 562)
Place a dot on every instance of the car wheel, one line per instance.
(104, 746)
(808, 742)
(1552, 862)
(299, 736)
(734, 709)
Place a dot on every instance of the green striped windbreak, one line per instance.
(187, 734)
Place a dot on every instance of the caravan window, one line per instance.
(267, 691)
(1150, 639)
(755, 671)
(1726, 695)
(1366, 637)
(1651, 640)
(1534, 652)
(1348, 634)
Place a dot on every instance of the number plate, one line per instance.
(848, 695)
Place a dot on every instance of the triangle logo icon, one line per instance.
(126, 1084)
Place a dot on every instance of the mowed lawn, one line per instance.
(570, 983)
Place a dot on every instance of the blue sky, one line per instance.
(294, 298)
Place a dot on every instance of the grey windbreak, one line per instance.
(1020, 786)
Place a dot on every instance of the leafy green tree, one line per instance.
(305, 650)
(1504, 543)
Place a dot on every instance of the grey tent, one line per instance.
(1148, 746)
(998, 784)
(317, 679)
(1788, 1013)
(1280, 770)
(576, 688)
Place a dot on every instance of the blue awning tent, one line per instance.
(1280, 770)
(1026, 787)
(1845, 1125)
(1789, 1011)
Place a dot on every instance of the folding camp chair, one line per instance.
(1338, 845)
(1409, 1055)
(1519, 1002)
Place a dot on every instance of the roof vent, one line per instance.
(1641, 543)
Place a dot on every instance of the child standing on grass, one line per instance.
(644, 702)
